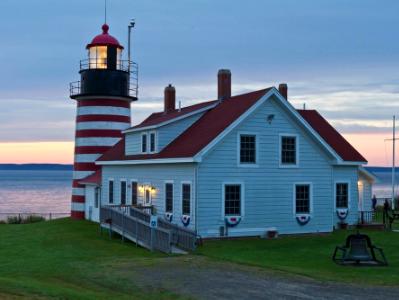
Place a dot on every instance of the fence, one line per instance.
(371, 217)
(136, 222)
(135, 229)
(24, 215)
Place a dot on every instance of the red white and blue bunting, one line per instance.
(169, 216)
(342, 213)
(232, 221)
(303, 219)
(185, 220)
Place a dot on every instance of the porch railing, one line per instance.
(371, 217)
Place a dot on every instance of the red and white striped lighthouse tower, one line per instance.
(103, 97)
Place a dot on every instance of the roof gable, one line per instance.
(223, 116)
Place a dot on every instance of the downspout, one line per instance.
(332, 196)
(196, 198)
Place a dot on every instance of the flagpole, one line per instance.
(393, 164)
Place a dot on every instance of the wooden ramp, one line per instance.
(134, 225)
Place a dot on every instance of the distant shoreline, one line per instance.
(35, 167)
(67, 167)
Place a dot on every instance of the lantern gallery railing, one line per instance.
(101, 63)
(75, 87)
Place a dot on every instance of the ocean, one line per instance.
(35, 191)
(50, 191)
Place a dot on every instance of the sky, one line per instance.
(340, 57)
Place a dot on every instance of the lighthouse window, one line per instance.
(144, 143)
(152, 142)
(98, 57)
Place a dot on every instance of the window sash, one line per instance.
(152, 142)
(123, 192)
(247, 148)
(288, 150)
(232, 199)
(341, 195)
(302, 198)
(134, 193)
(111, 191)
(144, 143)
(186, 198)
(169, 197)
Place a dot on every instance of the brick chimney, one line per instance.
(224, 84)
(169, 99)
(283, 89)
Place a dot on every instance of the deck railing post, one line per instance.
(123, 226)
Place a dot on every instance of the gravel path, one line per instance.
(200, 278)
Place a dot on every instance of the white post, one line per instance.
(393, 164)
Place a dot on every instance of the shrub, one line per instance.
(33, 219)
(14, 220)
(2, 222)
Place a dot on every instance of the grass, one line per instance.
(66, 259)
(309, 256)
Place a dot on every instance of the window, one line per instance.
(169, 197)
(302, 198)
(186, 198)
(247, 149)
(96, 197)
(144, 143)
(123, 192)
(134, 193)
(152, 142)
(111, 191)
(232, 199)
(147, 196)
(341, 195)
(288, 150)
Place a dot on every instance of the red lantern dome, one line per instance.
(104, 39)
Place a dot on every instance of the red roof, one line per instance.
(198, 135)
(94, 178)
(332, 137)
(161, 117)
(104, 39)
(215, 121)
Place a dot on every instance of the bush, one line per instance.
(14, 220)
(2, 222)
(27, 220)
(33, 219)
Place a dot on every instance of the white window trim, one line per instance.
(280, 136)
(130, 191)
(181, 197)
(120, 190)
(155, 141)
(248, 165)
(164, 195)
(141, 142)
(242, 194)
(335, 193)
(113, 190)
(310, 213)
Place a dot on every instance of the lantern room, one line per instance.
(104, 51)
(104, 73)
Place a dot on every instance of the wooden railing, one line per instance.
(135, 222)
(135, 229)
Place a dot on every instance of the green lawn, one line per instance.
(69, 259)
(66, 259)
(310, 256)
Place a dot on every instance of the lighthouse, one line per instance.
(107, 87)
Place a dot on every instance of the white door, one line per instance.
(92, 203)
